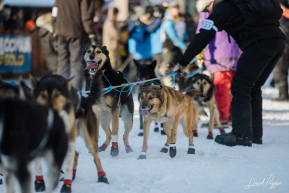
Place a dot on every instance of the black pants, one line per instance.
(254, 67)
(281, 74)
(69, 59)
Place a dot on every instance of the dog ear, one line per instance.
(161, 86)
(33, 81)
(153, 65)
(136, 63)
(105, 51)
(68, 84)
(24, 92)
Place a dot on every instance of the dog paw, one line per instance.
(210, 136)
(163, 133)
(165, 149)
(140, 134)
(102, 179)
(195, 134)
(173, 152)
(102, 148)
(142, 157)
(39, 186)
(156, 129)
(191, 151)
(114, 151)
(128, 149)
(66, 188)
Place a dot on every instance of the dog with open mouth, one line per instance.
(168, 106)
(95, 59)
(203, 83)
(145, 72)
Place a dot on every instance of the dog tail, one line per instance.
(194, 92)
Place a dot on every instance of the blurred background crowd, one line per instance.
(143, 30)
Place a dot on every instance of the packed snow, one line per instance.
(214, 168)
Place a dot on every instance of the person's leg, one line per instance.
(113, 59)
(76, 46)
(256, 102)
(280, 73)
(63, 67)
(223, 83)
(250, 69)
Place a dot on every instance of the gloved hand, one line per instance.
(178, 70)
(93, 39)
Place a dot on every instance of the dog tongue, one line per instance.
(145, 112)
(91, 65)
(201, 98)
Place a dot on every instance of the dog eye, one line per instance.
(43, 96)
(89, 51)
(141, 97)
(198, 83)
(56, 95)
(150, 98)
(98, 52)
(205, 82)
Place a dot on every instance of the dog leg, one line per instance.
(115, 124)
(24, 178)
(68, 167)
(54, 169)
(188, 123)
(105, 118)
(147, 123)
(217, 120)
(128, 121)
(167, 129)
(173, 148)
(39, 181)
(195, 126)
(75, 165)
(211, 123)
(9, 183)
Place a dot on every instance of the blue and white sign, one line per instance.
(208, 25)
(15, 54)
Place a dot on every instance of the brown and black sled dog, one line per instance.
(96, 59)
(168, 106)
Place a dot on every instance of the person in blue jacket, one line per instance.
(173, 37)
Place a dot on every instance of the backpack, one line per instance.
(260, 12)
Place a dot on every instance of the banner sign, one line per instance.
(15, 54)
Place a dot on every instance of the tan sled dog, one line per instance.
(163, 104)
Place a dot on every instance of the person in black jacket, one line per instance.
(262, 46)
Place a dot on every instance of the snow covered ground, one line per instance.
(213, 169)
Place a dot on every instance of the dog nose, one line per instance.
(91, 57)
(143, 106)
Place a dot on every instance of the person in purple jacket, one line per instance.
(221, 59)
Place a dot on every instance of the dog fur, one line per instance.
(96, 58)
(8, 91)
(56, 92)
(24, 128)
(205, 84)
(168, 106)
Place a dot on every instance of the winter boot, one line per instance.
(143, 155)
(191, 149)
(128, 149)
(257, 140)
(195, 133)
(222, 131)
(66, 188)
(102, 148)
(231, 139)
(39, 184)
(114, 149)
(165, 149)
(156, 129)
(173, 150)
(210, 136)
(102, 177)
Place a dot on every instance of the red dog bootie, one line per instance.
(210, 135)
(102, 177)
